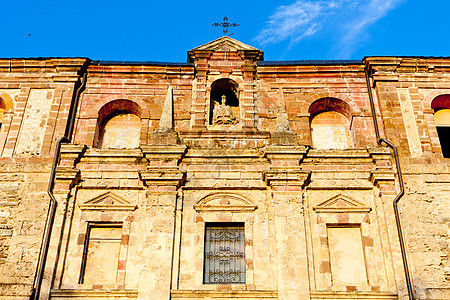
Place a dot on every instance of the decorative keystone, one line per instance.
(292, 178)
(163, 177)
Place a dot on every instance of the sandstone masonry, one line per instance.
(289, 196)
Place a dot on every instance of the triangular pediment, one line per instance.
(225, 43)
(107, 201)
(341, 203)
(225, 202)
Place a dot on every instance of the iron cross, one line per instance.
(225, 25)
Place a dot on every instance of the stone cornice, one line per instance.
(386, 68)
(67, 66)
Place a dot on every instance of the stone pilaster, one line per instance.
(384, 180)
(286, 189)
(157, 232)
(65, 179)
(199, 105)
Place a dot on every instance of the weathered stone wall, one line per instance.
(296, 202)
(38, 94)
(405, 89)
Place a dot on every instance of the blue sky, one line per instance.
(165, 30)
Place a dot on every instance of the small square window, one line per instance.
(224, 261)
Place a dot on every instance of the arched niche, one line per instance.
(441, 108)
(119, 125)
(220, 112)
(330, 124)
(5, 103)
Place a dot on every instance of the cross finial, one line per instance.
(225, 25)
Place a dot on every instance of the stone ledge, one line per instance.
(83, 294)
(188, 294)
(352, 295)
(339, 153)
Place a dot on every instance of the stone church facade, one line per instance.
(225, 177)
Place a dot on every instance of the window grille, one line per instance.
(224, 253)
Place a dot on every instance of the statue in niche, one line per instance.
(222, 113)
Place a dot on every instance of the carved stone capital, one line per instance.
(163, 177)
(378, 177)
(164, 152)
(292, 178)
(275, 153)
(66, 178)
(71, 154)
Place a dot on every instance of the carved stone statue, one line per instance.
(222, 113)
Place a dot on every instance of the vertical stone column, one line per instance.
(289, 226)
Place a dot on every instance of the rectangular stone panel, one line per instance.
(34, 122)
(348, 266)
(102, 256)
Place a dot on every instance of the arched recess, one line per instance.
(118, 125)
(5, 103)
(441, 108)
(220, 112)
(330, 124)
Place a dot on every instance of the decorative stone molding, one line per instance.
(107, 201)
(163, 177)
(341, 204)
(225, 202)
(297, 178)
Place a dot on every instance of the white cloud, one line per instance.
(305, 18)
(294, 22)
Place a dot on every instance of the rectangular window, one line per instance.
(224, 253)
(348, 265)
(101, 254)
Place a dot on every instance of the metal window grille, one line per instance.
(224, 253)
